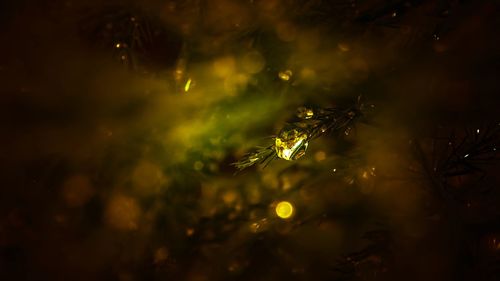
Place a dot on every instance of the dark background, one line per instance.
(111, 169)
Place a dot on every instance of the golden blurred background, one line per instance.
(121, 120)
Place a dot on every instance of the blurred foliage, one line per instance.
(124, 173)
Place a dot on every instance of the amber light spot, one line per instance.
(188, 85)
(284, 210)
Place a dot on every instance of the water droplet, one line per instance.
(305, 113)
(291, 144)
(285, 75)
(347, 131)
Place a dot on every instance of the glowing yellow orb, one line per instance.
(284, 209)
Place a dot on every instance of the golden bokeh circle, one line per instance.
(284, 209)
